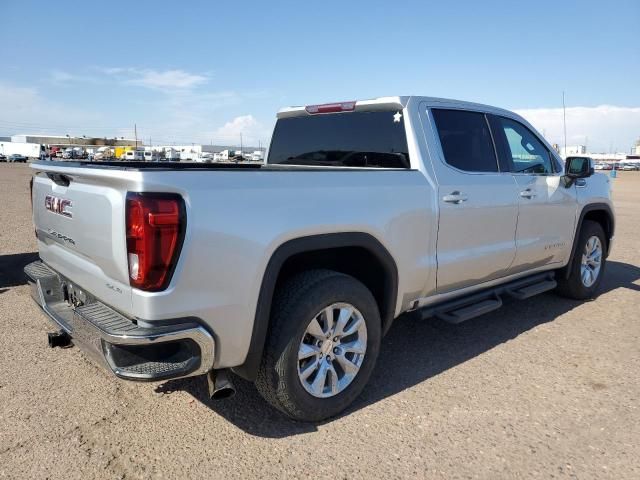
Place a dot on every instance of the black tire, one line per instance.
(573, 287)
(296, 303)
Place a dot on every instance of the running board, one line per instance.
(466, 311)
(534, 289)
(465, 308)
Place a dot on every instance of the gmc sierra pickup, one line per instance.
(290, 273)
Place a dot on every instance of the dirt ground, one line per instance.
(543, 388)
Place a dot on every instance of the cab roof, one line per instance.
(384, 103)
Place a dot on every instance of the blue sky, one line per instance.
(206, 71)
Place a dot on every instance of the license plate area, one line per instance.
(73, 295)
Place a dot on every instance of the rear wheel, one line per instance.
(322, 346)
(588, 264)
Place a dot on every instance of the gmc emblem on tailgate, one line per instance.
(61, 206)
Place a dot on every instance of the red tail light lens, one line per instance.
(155, 230)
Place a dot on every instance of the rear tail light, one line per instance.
(155, 230)
(331, 107)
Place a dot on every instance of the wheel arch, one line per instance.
(317, 251)
(600, 213)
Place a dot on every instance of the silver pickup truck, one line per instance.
(290, 273)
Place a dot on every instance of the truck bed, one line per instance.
(174, 166)
(116, 165)
(237, 215)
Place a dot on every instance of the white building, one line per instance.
(573, 150)
(71, 141)
(609, 157)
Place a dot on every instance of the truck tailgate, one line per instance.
(79, 216)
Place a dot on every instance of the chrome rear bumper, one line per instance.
(117, 342)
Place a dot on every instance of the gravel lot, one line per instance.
(544, 388)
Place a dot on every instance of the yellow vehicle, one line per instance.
(119, 152)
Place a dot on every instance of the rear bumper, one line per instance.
(173, 350)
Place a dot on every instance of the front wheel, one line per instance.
(322, 346)
(587, 267)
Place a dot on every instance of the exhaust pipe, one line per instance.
(59, 339)
(220, 386)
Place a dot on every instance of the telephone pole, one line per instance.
(135, 133)
(564, 121)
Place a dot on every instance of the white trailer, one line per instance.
(133, 156)
(171, 154)
(190, 154)
(222, 156)
(151, 156)
(29, 150)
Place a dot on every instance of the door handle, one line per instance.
(455, 197)
(528, 193)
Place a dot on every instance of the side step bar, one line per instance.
(532, 289)
(465, 308)
(466, 311)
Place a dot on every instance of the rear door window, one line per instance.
(466, 140)
(350, 139)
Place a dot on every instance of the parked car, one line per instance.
(3, 158)
(16, 157)
(290, 273)
(628, 167)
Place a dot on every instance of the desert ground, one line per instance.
(543, 388)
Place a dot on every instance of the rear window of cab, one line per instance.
(351, 139)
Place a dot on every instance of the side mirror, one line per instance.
(577, 167)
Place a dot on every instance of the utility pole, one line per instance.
(240, 143)
(135, 133)
(564, 121)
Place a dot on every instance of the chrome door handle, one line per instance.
(455, 197)
(528, 193)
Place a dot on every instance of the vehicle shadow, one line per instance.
(413, 352)
(11, 269)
